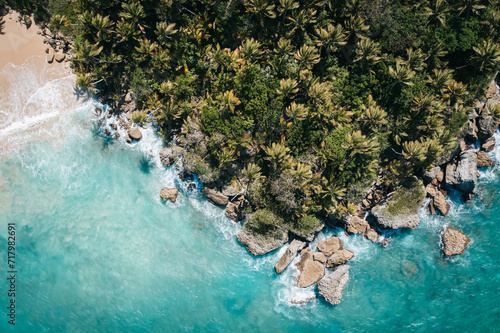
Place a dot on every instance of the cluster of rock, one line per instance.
(121, 121)
(313, 264)
(59, 47)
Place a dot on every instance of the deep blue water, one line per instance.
(97, 251)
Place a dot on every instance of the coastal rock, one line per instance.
(483, 160)
(331, 245)
(489, 144)
(432, 209)
(50, 58)
(319, 256)
(258, 244)
(134, 133)
(233, 210)
(440, 176)
(450, 174)
(234, 188)
(339, 258)
(107, 132)
(492, 90)
(191, 186)
(169, 156)
(330, 287)
(471, 134)
(311, 271)
(59, 57)
(466, 172)
(454, 241)
(290, 254)
(114, 127)
(117, 135)
(128, 139)
(401, 210)
(486, 127)
(215, 197)
(168, 193)
(440, 204)
(431, 174)
(307, 235)
(356, 225)
(372, 235)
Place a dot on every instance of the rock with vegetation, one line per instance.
(431, 174)
(401, 210)
(331, 286)
(330, 246)
(168, 193)
(169, 155)
(234, 209)
(454, 241)
(290, 254)
(339, 258)
(215, 197)
(262, 233)
(311, 270)
(306, 227)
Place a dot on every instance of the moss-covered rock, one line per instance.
(401, 210)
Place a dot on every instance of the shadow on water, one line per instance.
(146, 164)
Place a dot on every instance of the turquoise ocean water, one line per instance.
(97, 251)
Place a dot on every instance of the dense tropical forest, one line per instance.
(301, 104)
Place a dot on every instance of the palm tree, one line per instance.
(250, 50)
(434, 55)
(288, 87)
(126, 30)
(296, 111)
(440, 78)
(165, 31)
(301, 19)
(414, 151)
(454, 92)
(373, 115)
(229, 101)
(330, 37)
(307, 56)
(225, 156)
(436, 11)
(402, 74)
(286, 6)
(278, 155)
(284, 47)
(367, 53)
(470, 7)
(145, 48)
(85, 52)
(487, 57)
(416, 59)
(102, 24)
(356, 26)
(359, 144)
(133, 12)
(251, 172)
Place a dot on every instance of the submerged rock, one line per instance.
(454, 241)
(330, 287)
(311, 271)
(401, 210)
(339, 258)
(215, 197)
(290, 254)
(259, 244)
(331, 245)
(483, 160)
(168, 193)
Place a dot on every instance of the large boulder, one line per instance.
(50, 58)
(262, 243)
(471, 134)
(330, 287)
(215, 197)
(169, 155)
(330, 246)
(339, 258)
(372, 234)
(168, 193)
(483, 160)
(59, 57)
(401, 209)
(454, 241)
(234, 210)
(429, 175)
(356, 225)
(290, 254)
(311, 270)
(438, 200)
(466, 172)
(486, 127)
(134, 133)
(488, 144)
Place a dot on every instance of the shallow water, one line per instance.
(97, 251)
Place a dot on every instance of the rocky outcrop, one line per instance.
(50, 58)
(486, 127)
(311, 270)
(169, 156)
(488, 144)
(330, 287)
(259, 244)
(401, 209)
(454, 241)
(466, 172)
(471, 134)
(330, 246)
(234, 188)
(483, 160)
(168, 193)
(215, 197)
(234, 210)
(290, 254)
(372, 234)
(339, 258)
(59, 57)
(438, 201)
(356, 225)
(134, 134)
(431, 174)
